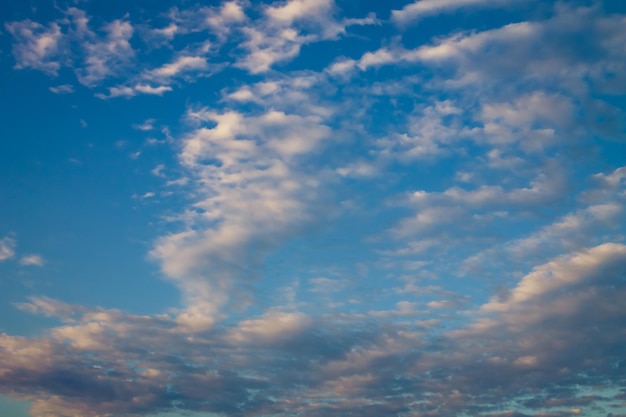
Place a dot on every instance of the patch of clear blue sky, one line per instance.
(13, 408)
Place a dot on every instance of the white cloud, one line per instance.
(358, 169)
(455, 48)
(426, 221)
(544, 189)
(148, 89)
(258, 93)
(250, 193)
(220, 20)
(293, 10)
(50, 308)
(268, 161)
(342, 67)
(167, 32)
(146, 126)
(35, 46)
(62, 89)
(432, 132)
(106, 57)
(180, 65)
(422, 8)
(230, 14)
(533, 121)
(613, 180)
(558, 275)
(144, 196)
(264, 49)
(125, 91)
(7, 248)
(380, 57)
(158, 171)
(94, 59)
(273, 327)
(32, 260)
(287, 27)
(596, 221)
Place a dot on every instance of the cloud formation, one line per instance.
(7, 248)
(356, 222)
(542, 332)
(32, 260)
(423, 8)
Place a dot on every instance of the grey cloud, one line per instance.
(330, 367)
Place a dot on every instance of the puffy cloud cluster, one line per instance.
(557, 333)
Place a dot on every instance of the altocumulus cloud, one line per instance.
(414, 209)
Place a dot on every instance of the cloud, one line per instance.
(423, 8)
(105, 57)
(62, 89)
(433, 230)
(543, 325)
(180, 65)
(146, 126)
(220, 20)
(167, 32)
(124, 91)
(294, 10)
(287, 27)
(614, 180)
(434, 210)
(593, 220)
(568, 272)
(36, 46)
(7, 248)
(229, 14)
(486, 58)
(454, 48)
(274, 327)
(430, 134)
(32, 260)
(253, 194)
(50, 48)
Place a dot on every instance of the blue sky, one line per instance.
(313, 208)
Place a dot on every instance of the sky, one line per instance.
(303, 208)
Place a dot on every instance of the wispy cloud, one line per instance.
(7, 248)
(146, 126)
(253, 191)
(36, 46)
(180, 65)
(124, 91)
(423, 8)
(62, 89)
(32, 260)
(104, 57)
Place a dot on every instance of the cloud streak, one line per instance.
(7, 248)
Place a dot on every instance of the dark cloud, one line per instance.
(572, 341)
